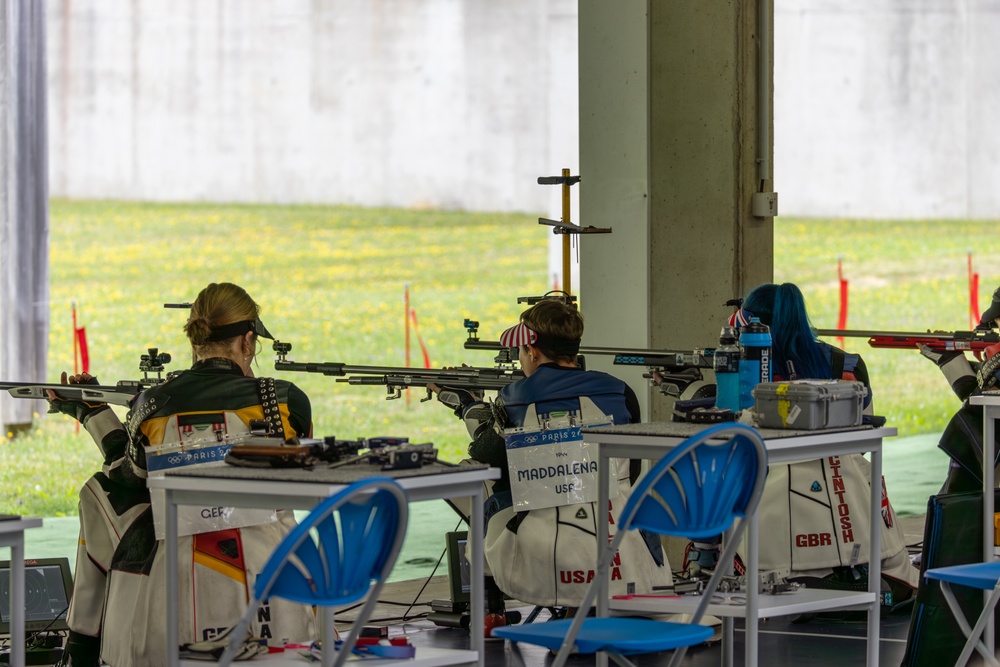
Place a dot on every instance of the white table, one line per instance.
(303, 489)
(654, 439)
(12, 535)
(990, 401)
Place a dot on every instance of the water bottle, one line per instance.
(726, 363)
(755, 359)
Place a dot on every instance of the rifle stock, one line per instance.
(120, 394)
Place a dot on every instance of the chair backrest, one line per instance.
(702, 485)
(346, 543)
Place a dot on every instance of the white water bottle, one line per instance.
(726, 363)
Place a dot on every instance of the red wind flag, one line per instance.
(81, 355)
(420, 340)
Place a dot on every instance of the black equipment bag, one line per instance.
(953, 535)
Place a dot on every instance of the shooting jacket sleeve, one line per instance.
(107, 430)
(861, 374)
(475, 415)
(959, 373)
(488, 445)
(299, 412)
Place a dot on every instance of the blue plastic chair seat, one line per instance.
(627, 636)
(983, 576)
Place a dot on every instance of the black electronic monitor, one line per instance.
(459, 570)
(48, 586)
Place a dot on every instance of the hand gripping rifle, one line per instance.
(940, 341)
(395, 379)
(121, 393)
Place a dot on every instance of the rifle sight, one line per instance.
(154, 361)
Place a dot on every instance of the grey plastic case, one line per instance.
(809, 404)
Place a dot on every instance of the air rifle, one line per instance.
(974, 341)
(395, 378)
(505, 357)
(680, 373)
(121, 393)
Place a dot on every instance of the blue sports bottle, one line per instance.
(755, 359)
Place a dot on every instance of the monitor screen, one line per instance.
(459, 572)
(48, 586)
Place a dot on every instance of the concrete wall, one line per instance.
(887, 108)
(883, 108)
(436, 103)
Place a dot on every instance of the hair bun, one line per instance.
(198, 330)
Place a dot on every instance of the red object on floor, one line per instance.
(491, 621)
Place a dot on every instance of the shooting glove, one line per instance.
(939, 358)
(78, 410)
(956, 368)
(459, 399)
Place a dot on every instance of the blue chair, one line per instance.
(340, 553)
(696, 491)
(983, 576)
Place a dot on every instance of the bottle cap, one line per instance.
(728, 335)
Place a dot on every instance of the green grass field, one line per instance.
(331, 281)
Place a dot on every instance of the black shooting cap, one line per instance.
(238, 329)
(991, 313)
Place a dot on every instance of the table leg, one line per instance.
(753, 592)
(477, 597)
(989, 414)
(329, 635)
(728, 638)
(875, 556)
(173, 654)
(17, 599)
(603, 464)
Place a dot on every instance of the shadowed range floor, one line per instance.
(815, 643)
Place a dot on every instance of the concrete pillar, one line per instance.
(668, 157)
(24, 208)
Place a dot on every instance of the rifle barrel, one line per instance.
(493, 345)
(417, 380)
(857, 333)
(340, 369)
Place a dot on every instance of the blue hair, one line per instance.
(783, 308)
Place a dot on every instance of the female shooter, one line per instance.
(808, 501)
(119, 597)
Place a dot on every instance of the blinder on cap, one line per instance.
(227, 331)
(520, 335)
(517, 336)
(740, 318)
(991, 313)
